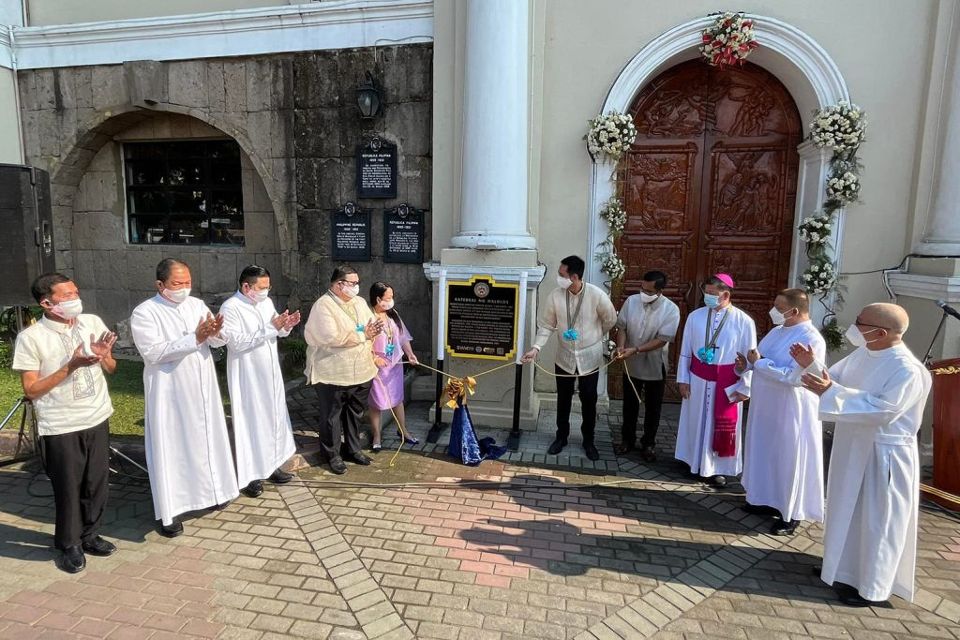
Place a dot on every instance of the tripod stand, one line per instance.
(23, 437)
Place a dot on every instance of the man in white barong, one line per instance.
(262, 435)
(783, 451)
(875, 396)
(709, 431)
(187, 446)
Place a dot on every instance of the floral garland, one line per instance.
(842, 127)
(728, 41)
(615, 216)
(611, 134)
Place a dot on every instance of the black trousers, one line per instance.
(341, 412)
(78, 465)
(588, 401)
(652, 393)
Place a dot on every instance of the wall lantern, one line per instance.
(368, 98)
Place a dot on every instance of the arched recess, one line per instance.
(798, 61)
(101, 129)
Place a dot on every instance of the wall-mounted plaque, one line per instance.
(377, 169)
(403, 234)
(350, 234)
(482, 319)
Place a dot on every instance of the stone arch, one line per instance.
(796, 58)
(91, 136)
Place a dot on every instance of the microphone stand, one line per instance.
(936, 334)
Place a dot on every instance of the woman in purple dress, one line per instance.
(386, 392)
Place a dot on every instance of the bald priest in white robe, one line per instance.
(876, 397)
(783, 452)
(188, 449)
(262, 434)
(711, 415)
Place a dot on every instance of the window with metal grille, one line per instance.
(184, 192)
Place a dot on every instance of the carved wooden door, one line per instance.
(709, 186)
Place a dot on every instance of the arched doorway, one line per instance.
(710, 185)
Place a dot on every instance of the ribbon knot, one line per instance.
(458, 389)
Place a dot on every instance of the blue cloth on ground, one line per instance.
(464, 444)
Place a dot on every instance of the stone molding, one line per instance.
(925, 287)
(336, 24)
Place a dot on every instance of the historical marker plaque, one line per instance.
(350, 234)
(377, 169)
(403, 234)
(482, 318)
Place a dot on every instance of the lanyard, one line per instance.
(576, 313)
(352, 313)
(708, 352)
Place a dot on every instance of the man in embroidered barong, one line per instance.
(340, 366)
(582, 314)
(783, 452)
(709, 432)
(875, 397)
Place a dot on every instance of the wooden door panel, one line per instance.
(709, 186)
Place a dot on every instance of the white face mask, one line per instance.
(176, 296)
(564, 283)
(350, 291)
(386, 305)
(646, 298)
(777, 316)
(258, 295)
(68, 309)
(856, 337)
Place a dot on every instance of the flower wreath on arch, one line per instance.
(615, 216)
(729, 40)
(842, 128)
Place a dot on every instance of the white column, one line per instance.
(494, 184)
(942, 234)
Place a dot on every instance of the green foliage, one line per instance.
(832, 335)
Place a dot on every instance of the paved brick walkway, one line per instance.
(529, 547)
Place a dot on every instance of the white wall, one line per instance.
(51, 12)
(10, 141)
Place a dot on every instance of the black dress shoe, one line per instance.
(782, 528)
(556, 446)
(648, 454)
(72, 560)
(760, 510)
(171, 531)
(99, 547)
(719, 482)
(337, 466)
(359, 458)
(854, 599)
(281, 477)
(591, 450)
(816, 570)
(253, 490)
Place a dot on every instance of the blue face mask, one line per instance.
(711, 300)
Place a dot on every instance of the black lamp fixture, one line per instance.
(368, 98)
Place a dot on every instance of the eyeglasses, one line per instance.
(350, 282)
(867, 324)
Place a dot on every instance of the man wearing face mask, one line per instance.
(188, 449)
(875, 396)
(646, 326)
(709, 431)
(61, 363)
(583, 315)
(783, 463)
(340, 366)
(263, 437)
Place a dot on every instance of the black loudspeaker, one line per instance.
(26, 231)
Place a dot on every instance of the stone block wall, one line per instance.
(295, 119)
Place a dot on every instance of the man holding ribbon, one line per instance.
(340, 365)
(709, 432)
(584, 315)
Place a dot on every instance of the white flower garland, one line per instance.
(841, 127)
(729, 40)
(820, 277)
(615, 216)
(611, 134)
(843, 188)
(815, 230)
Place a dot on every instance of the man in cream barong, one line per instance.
(263, 437)
(783, 452)
(875, 396)
(187, 445)
(711, 416)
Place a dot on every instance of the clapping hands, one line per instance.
(209, 327)
(286, 320)
(802, 354)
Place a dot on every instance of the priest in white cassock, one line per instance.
(783, 452)
(188, 449)
(709, 431)
(262, 435)
(875, 396)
